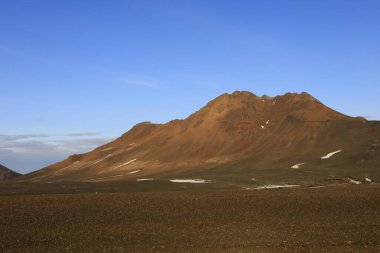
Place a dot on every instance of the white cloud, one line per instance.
(28, 152)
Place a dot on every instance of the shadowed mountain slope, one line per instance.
(236, 137)
(6, 173)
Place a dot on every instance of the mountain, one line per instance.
(237, 138)
(6, 173)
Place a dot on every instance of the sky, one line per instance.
(78, 74)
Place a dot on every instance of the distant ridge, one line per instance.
(6, 173)
(236, 137)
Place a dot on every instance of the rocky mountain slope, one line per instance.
(237, 138)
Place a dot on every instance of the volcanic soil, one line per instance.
(342, 218)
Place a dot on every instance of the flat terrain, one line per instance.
(342, 218)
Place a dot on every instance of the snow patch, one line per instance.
(144, 179)
(318, 186)
(100, 160)
(193, 181)
(133, 172)
(262, 126)
(271, 186)
(267, 122)
(297, 166)
(116, 176)
(352, 181)
(107, 148)
(368, 180)
(330, 154)
(129, 162)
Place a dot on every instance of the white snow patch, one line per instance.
(297, 166)
(117, 176)
(330, 154)
(133, 172)
(144, 179)
(352, 181)
(193, 181)
(267, 122)
(107, 148)
(100, 160)
(262, 126)
(368, 180)
(131, 161)
(271, 186)
(121, 165)
(318, 186)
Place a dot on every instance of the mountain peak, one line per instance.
(244, 105)
(236, 95)
(239, 93)
(246, 94)
(250, 99)
(299, 96)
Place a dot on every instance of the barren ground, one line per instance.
(332, 219)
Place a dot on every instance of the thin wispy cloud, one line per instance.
(16, 137)
(141, 83)
(38, 146)
(79, 134)
(84, 143)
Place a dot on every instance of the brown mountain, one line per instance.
(237, 138)
(6, 173)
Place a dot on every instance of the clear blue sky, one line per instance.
(75, 74)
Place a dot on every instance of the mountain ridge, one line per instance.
(239, 131)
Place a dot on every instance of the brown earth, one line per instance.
(236, 138)
(330, 219)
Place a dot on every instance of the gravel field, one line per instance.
(330, 219)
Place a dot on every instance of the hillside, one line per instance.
(6, 173)
(237, 138)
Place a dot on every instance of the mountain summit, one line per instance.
(235, 137)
